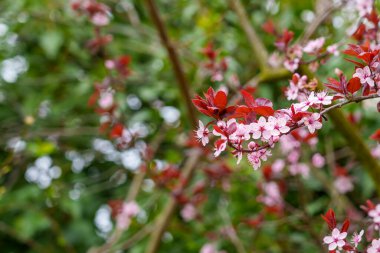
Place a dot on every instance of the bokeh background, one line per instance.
(58, 172)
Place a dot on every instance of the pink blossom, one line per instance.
(364, 7)
(322, 98)
(242, 133)
(357, 238)
(272, 194)
(294, 156)
(305, 105)
(228, 128)
(278, 166)
(291, 64)
(312, 122)
(376, 152)
(333, 49)
(365, 76)
(299, 169)
(296, 83)
(202, 134)
(374, 247)
(336, 240)
(188, 212)
(261, 129)
(255, 157)
(210, 248)
(106, 100)
(100, 19)
(318, 160)
(129, 210)
(343, 184)
(375, 215)
(279, 125)
(314, 46)
(220, 146)
(274, 60)
(291, 92)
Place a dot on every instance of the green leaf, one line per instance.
(51, 42)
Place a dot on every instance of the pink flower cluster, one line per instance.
(98, 13)
(127, 212)
(338, 241)
(256, 136)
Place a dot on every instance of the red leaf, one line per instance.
(264, 110)
(117, 130)
(354, 85)
(345, 226)
(376, 135)
(355, 62)
(248, 98)
(220, 100)
(329, 217)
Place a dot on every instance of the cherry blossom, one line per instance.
(322, 98)
(375, 215)
(374, 247)
(333, 49)
(279, 125)
(210, 248)
(343, 184)
(312, 122)
(364, 6)
(336, 240)
(220, 146)
(272, 195)
(189, 212)
(357, 238)
(318, 160)
(313, 47)
(128, 210)
(292, 64)
(202, 133)
(261, 128)
(299, 169)
(365, 76)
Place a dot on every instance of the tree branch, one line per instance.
(164, 218)
(173, 57)
(257, 45)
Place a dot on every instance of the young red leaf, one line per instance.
(264, 110)
(345, 226)
(376, 136)
(220, 100)
(354, 85)
(248, 98)
(329, 217)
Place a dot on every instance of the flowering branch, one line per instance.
(349, 101)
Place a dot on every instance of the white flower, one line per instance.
(322, 98)
(365, 76)
(374, 247)
(202, 134)
(336, 240)
(312, 122)
(261, 129)
(356, 238)
(314, 46)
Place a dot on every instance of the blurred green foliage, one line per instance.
(60, 72)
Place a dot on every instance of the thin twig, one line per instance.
(255, 42)
(173, 56)
(164, 218)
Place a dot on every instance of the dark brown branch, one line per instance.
(164, 218)
(257, 45)
(173, 56)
